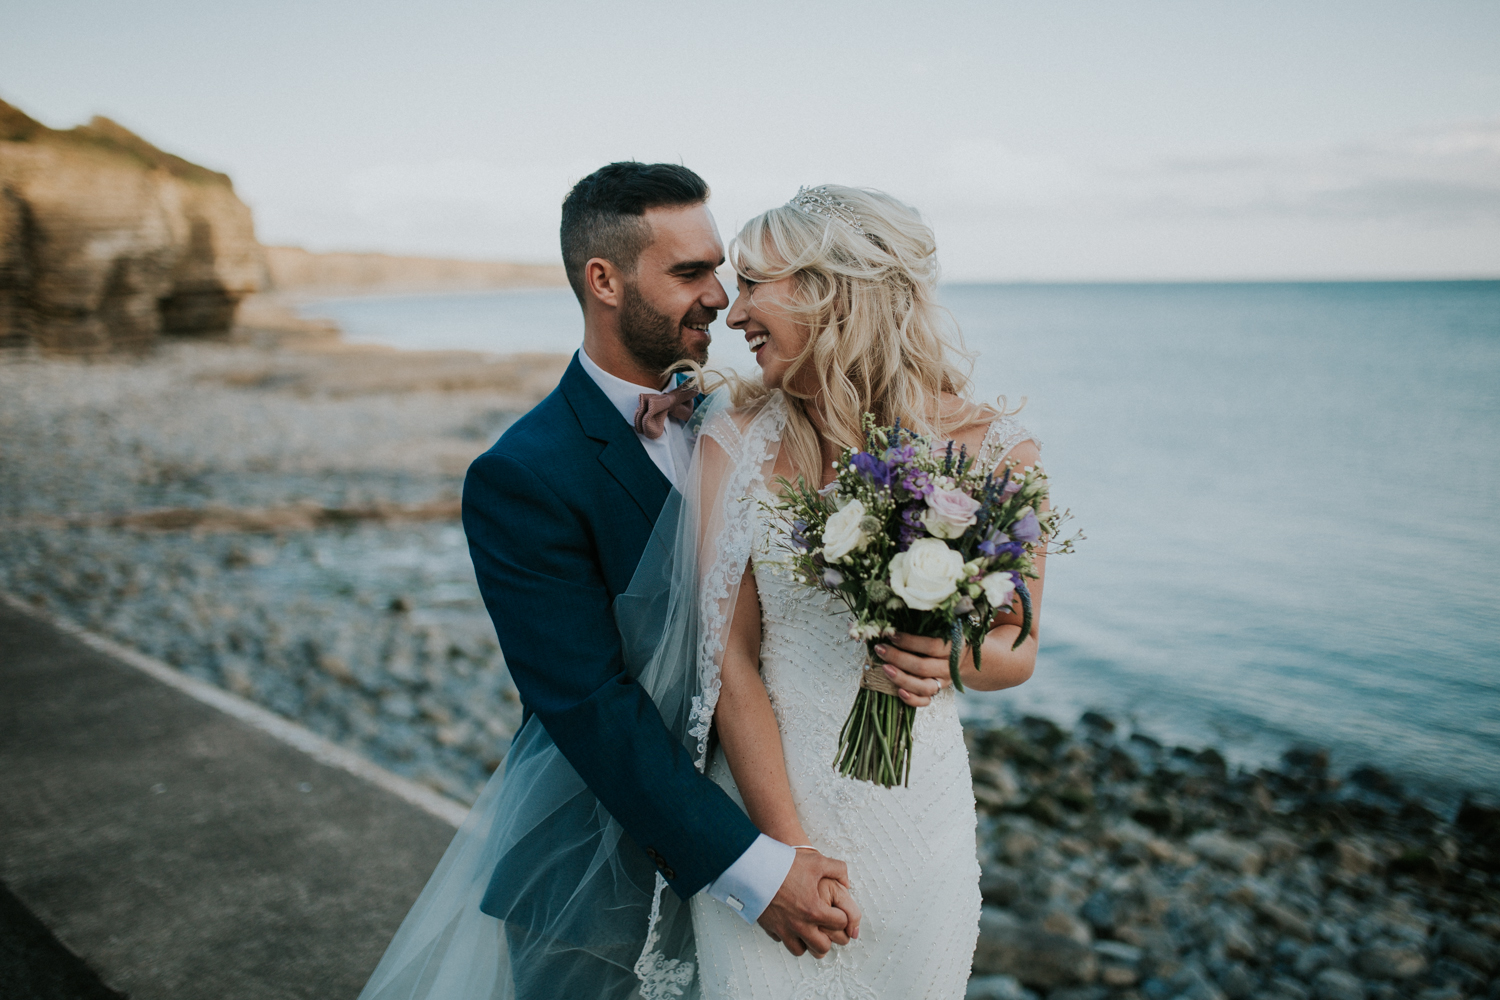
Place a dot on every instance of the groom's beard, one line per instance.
(653, 338)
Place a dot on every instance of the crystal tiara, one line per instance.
(822, 202)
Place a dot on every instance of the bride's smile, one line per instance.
(772, 333)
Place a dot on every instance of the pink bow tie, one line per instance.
(655, 407)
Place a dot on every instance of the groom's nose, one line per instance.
(715, 297)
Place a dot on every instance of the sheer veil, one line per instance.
(589, 905)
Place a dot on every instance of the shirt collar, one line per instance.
(625, 396)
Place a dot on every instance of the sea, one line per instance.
(1290, 492)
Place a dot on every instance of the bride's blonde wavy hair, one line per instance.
(878, 341)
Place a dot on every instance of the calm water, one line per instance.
(1291, 493)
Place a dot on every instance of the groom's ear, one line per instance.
(604, 282)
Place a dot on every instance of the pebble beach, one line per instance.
(278, 515)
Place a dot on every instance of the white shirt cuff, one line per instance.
(749, 885)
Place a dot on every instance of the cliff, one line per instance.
(299, 271)
(108, 242)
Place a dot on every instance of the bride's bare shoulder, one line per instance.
(968, 421)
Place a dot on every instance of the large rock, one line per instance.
(1034, 956)
(107, 241)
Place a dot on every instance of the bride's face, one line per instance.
(771, 330)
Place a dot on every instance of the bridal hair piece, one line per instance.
(821, 201)
(865, 272)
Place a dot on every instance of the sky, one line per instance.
(1044, 141)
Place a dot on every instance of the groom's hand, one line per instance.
(800, 915)
(916, 664)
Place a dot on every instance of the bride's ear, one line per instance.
(604, 282)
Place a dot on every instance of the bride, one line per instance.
(837, 302)
(756, 673)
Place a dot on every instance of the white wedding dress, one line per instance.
(910, 851)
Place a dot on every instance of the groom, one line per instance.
(558, 514)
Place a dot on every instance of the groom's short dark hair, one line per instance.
(601, 217)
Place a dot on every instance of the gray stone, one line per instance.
(1289, 988)
(1442, 993)
(1314, 959)
(1157, 988)
(1034, 956)
(1237, 855)
(1000, 885)
(1118, 951)
(1384, 961)
(1098, 910)
(1237, 982)
(1060, 921)
(1481, 952)
(1192, 984)
(1353, 858)
(1336, 984)
(1284, 917)
(1079, 993)
(1279, 847)
(1237, 939)
(1452, 972)
(999, 987)
(1118, 976)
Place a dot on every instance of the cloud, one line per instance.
(1450, 175)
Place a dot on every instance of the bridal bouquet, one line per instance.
(914, 538)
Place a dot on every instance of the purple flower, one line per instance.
(799, 535)
(832, 578)
(1011, 486)
(901, 455)
(917, 483)
(991, 545)
(872, 468)
(911, 528)
(1027, 529)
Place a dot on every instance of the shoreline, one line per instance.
(392, 431)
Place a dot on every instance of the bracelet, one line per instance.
(803, 847)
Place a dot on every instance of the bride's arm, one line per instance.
(747, 726)
(922, 663)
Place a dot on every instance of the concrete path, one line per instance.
(182, 851)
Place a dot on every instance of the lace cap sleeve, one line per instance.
(1004, 434)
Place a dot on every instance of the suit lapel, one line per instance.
(622, 454)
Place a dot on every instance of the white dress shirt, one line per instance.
(672, 452)
(748, 885)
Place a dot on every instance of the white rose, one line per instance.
(842, 534)
(926, 574)
(997, 588)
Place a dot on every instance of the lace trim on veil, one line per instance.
(749, 451)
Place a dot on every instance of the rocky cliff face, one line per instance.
(107, 241)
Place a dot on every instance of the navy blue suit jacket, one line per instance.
(557, 514)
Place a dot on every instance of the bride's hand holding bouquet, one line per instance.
(928, 548)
